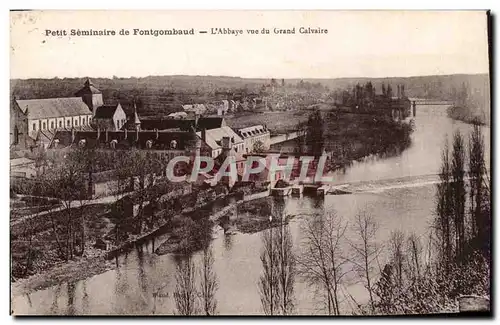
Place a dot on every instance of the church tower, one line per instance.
(90, 96)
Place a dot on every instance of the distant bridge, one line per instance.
(430, 102)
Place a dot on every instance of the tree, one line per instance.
(322, 263)
(276, 284)
(67, 182)
(86, 157)
(314, 134)
(398, 256)
(258, 146)
(479, 196)
(444, 211)
(366, 250)
(209, 283)
(269, 281)
(414, 250)
(285, 268)
(458, 192)
(389, 91)
(185, 293)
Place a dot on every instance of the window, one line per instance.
(34, 126)
(68, 122)
(60, 124)
(76, 122)
(16, 135)
(51, 125)
(44, 126)
(83, 121)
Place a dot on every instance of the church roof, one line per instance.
(106, 111)
(88, 88)
(53, 107)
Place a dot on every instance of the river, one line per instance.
(398, 191)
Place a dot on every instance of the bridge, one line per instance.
(430, 102)
(279, 138)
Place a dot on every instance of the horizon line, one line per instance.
(255, 78)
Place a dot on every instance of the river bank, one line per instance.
(467, 115)
(186, 232)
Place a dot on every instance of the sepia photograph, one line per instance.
(243, 163)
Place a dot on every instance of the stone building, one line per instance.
(253, 134)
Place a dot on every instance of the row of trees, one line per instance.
(463, 216)
(363, 97)
(420, 275)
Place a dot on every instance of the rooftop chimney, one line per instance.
(196, 118)
(226, 143)
(204, 134)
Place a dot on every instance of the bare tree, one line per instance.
(285, 268)
(269, 282)
(366, 251)
(479, 195)
(398, 256)
(67, 183)
(444, 212)
(185, 294)
(458, 192)
(414, 250)
(209, 283)
(322, 262)
(277, 281)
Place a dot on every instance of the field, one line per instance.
(277, 122)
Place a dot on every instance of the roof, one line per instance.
(252, 131)
(178, 114)
(182, 124)
(214, 136)
(53, 107)
(194, 107)
(88, 88)
(21, 161)
(63, 137)
(106, 111)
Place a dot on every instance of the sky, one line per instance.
(358, 44)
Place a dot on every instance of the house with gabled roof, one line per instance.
(110, 117)
(213, 139)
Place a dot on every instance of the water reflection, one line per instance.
(228, 241)
(71, 298)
